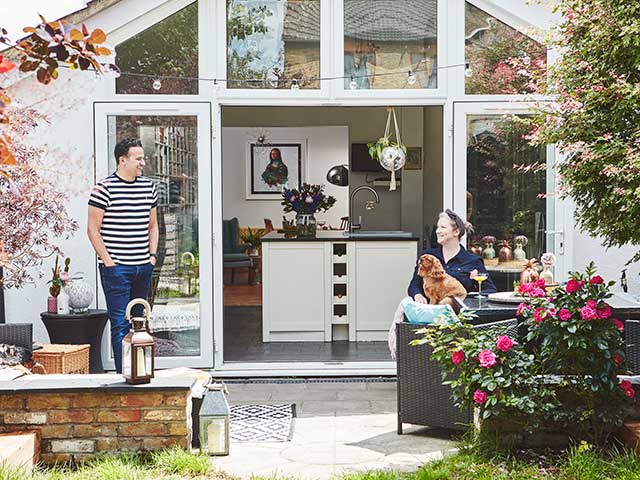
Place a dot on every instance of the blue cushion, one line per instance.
(420, 313)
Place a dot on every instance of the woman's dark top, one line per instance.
(459, 267)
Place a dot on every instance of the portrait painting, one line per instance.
(274, 167)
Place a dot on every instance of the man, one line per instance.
(123, 230)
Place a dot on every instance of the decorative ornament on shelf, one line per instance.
(391, 156)
(505, 254)
(547, 260)
(519, 254)
(529, 273)
(488, 252)
(306, 202)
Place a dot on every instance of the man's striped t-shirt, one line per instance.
(125, 225)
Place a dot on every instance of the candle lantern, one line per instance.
(138, 347)
(214, 421)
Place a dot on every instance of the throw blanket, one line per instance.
(391, 337)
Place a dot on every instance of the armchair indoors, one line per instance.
(233, 252)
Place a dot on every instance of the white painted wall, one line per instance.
(325, 147)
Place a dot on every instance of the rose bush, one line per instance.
(564, 373)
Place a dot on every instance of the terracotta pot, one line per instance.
(505, 254)
(529, 273)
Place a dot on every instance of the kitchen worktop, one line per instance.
(339, 236)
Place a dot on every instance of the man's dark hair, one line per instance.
(123, 146)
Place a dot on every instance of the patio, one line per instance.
(341, 426)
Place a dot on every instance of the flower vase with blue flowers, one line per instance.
(306, 202)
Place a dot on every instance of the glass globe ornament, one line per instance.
(393, 158)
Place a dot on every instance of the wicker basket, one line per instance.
(63, 358)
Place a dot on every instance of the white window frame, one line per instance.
(207, 247)
(456, 176)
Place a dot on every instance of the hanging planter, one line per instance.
(391, 156)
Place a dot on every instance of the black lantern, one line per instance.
(138, 347)
(338, 175)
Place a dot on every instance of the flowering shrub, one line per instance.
(310, 199)
(490, 370)
(565, 375)
(573, 333)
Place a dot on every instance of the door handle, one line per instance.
(560, 240)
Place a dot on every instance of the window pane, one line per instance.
(501, 58)
(170, 145)
(272, 42)
(169, 48)
(505, 176)
(388, 39)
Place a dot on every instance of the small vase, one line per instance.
(488, 253)
(52, 305)
(547, 275)
(519, 254)
(306, 225)
(529, 273)
(63, 302)
(505, 254)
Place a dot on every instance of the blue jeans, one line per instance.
(121, 284)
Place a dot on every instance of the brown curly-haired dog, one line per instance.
(437, 284)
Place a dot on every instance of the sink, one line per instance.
(380, 233)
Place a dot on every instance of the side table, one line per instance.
(79, 328)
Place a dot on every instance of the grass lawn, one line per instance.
(578, 463)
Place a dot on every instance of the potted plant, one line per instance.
(306, 202)
(253, 238)
(57, 282)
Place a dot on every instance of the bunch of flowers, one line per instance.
(59, 279)
(575, 336)
(308, 200)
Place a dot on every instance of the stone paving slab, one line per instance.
(341, 427)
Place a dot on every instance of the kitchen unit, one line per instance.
(334, 286)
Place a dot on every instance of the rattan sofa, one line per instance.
(422, 398)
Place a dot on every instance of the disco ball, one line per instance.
(393, 158)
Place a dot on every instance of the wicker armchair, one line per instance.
(422, 398)
(18, 334)
(632, 345)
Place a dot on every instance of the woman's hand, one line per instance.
(418, 297)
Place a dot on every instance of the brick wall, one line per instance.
(77, 426)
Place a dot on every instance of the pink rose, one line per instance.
(540, 283)
(596, 280)
(457, 357)
(564, 314)
(588, 313)
(627, 387)
(487, 358)
(523, 307)
(617, 359)
(504, 343)
(480, 397)
(573, 286)
(618, 324)
(473, 273)
(64, 276)
(592, 304)
(524, 288)
(537, 292)
(539, 314)
(604, 311)
(630, 393)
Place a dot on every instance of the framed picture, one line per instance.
(414, 158)
(270, 168)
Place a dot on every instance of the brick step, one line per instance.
(19, 449)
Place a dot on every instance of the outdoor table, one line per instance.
(79, 328)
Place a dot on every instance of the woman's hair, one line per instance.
(276, 150)
(456, 222)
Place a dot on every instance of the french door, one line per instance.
(505, 186)
(176, 138)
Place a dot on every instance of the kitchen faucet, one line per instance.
(353, 225)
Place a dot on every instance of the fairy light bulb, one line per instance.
(157, 84)
(467, 71)
(295, 86)
(353, 84)
(526, 60)
(411, 78)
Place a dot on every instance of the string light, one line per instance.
(353, 84)
(411, 78)
(467, 70)
(157, 84)
(526, 60)
(295, 86)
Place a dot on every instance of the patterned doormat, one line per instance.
(262, 423)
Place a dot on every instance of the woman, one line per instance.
(455, 259)
(276, 173)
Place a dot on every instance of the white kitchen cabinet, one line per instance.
(333, 288)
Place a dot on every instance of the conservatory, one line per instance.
(218, 89)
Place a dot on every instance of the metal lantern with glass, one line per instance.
(214, 421)
(138, 347)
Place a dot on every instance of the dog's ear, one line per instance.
(436, 269)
